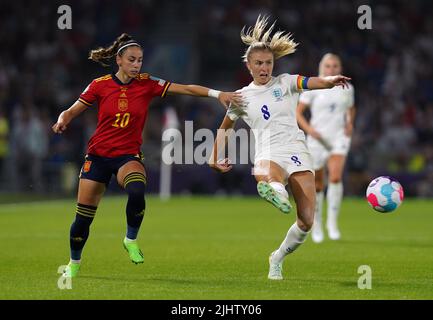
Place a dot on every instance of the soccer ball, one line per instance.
(384, 194)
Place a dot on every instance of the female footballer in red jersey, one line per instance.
(123, 98)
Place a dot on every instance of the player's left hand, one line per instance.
(226, 98)
(339, 80)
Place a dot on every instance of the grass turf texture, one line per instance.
(215, 248)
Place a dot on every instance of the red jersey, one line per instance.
(122, 112)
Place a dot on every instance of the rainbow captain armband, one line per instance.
(301, 82)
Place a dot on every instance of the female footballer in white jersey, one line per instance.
(329, 133)
(281, 154)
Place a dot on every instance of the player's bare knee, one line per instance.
(334, 179)
(304, 226)
(260, 178)
(318, 180)
(267, 178)
(309, 223)
(90, 200)
(319, 187)
(306, 221)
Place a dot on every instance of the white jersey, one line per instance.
(270, 111)
(328, 109)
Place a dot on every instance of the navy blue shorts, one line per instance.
(101, 169)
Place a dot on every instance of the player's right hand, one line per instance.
(62, 122)
(59, 127)
(223, 165)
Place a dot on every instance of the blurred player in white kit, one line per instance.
(329, 136)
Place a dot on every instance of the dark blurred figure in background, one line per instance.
(4, 142)
(29, 147)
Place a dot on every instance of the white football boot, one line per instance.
(333, 232)
(275, 269)
(317, 233)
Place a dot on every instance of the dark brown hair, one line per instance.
(104, 55)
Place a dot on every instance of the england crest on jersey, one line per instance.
(278, 94)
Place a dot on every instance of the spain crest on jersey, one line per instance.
(123, 104)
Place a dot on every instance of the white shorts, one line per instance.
(297, 158)
(321, 151)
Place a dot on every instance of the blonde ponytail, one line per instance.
(257, 38)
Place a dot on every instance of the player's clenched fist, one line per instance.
(61, 124)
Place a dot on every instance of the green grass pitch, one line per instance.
(215, 248)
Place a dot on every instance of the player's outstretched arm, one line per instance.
(194, 90)
(327, 82)
(223, 132)
(66, 116)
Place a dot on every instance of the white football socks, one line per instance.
(279, 188)
(294, 238)
(334, 197)
(317, 233)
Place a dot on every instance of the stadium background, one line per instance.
(44, 69)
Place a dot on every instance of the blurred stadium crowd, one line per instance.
(43, 70)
